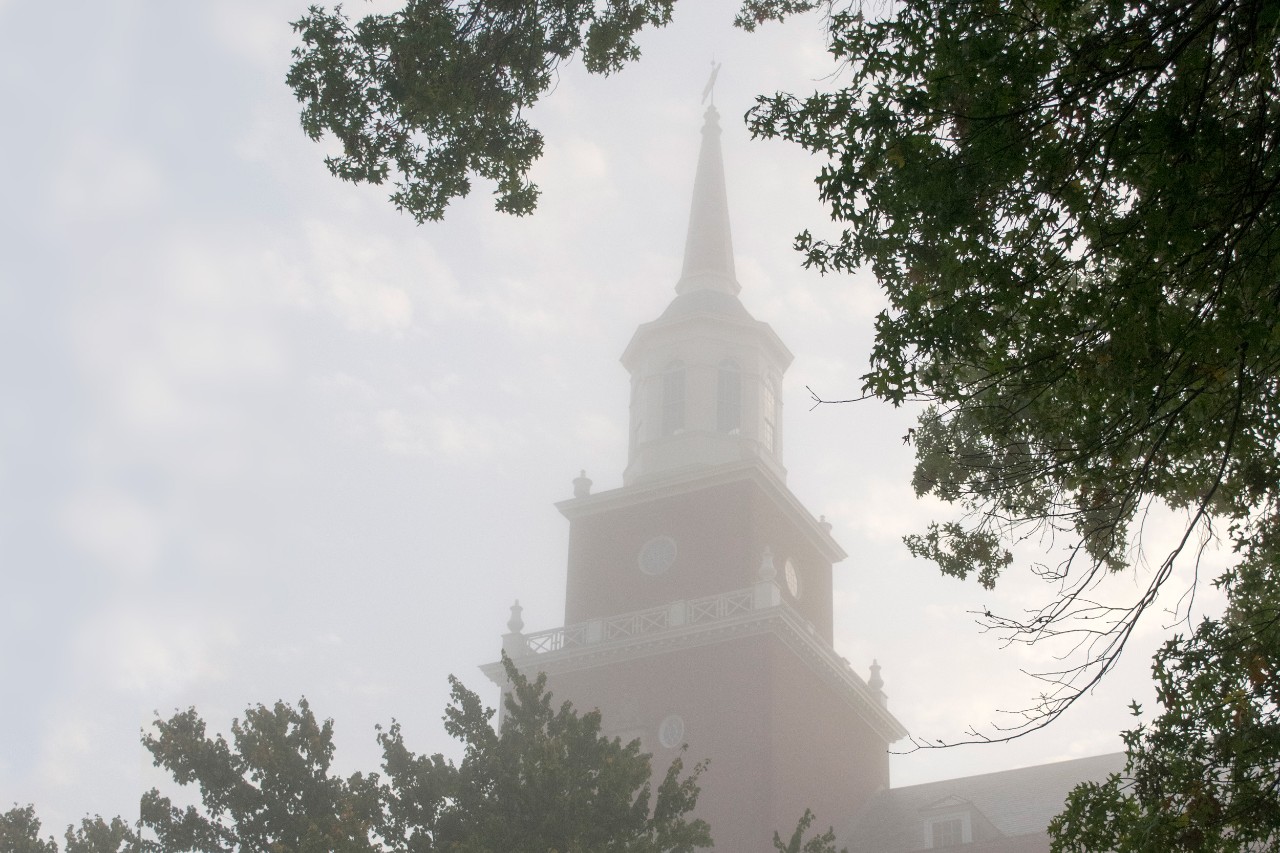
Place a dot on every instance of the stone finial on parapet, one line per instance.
(513, 642)
(581, 485)
(876, 683)
(768, 571)
(767, 592)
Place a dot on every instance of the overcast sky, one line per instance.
(263, 437)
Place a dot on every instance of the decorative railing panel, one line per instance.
(716, 607)
(696, 616)
(568, 637)
(655, 620)
(636, 624)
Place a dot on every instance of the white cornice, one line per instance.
(589, 645)
(709, 326)
(683, 482)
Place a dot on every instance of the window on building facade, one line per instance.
(948, 832)
(673, 398)
(729, 398)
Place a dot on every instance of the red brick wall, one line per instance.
(778, 739)
(720, 533)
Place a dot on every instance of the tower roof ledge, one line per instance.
(689, 316)
(715, 302)
(723, 618)
(696, 478)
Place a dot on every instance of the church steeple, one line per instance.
(708, 247)
(698, 595)
(706, 377)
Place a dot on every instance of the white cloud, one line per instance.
(179, 351)
(366, 281)
(256, 31)
(370, 306)
(598, 430)
(345, 385)
(577, 162)
(98, 179)
(68, 743)
(883, 510)
(116, 530)
(524, 307)
(150, 652)
(269, 130)
(444, 437)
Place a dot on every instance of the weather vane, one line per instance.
(709, 90)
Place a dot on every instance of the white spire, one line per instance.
(706, 376)
(708, 247)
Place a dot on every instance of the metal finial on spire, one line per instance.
(709, 90)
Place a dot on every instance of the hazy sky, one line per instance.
(263, 437)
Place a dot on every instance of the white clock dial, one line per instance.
(657, 555)
(671, 732)
(792, 579)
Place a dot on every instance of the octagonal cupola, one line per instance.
(706, 377)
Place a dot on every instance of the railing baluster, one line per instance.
(696, 611)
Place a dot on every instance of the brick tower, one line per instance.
(698, 604)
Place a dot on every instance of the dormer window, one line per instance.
(729, 398)
(673, 398)
(948, 822)
(946, 832)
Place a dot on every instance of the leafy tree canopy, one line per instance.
(20, 833)
(1201, 775)
(1071, 207)
(434, 94)
(547, 781)
(823, 842)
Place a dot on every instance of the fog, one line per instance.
(262, 437)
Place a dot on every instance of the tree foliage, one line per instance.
(270, 788)
(547, 781)
(1068, 203)
(434, 94)
(20, 833)
(1201, 775)
(1071, 208)
(823, 842)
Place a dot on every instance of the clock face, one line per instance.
(792, 579)
(657, 555)
(671, 731)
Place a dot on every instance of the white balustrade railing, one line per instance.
(718, 607)
(702, 612)
(697, 611)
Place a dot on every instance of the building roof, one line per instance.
(998, 808)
